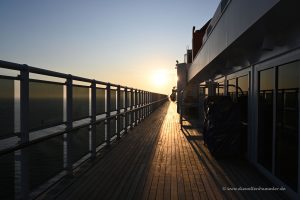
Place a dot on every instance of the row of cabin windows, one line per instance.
(278, 126)
(277, 143)
(236, 87)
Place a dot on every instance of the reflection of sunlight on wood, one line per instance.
(159, 78)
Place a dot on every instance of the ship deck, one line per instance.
(158, 160)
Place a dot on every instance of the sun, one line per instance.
(159, 78)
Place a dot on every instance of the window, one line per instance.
(243, 86)
(265, 118)
(242, 99)
(231, 88)
(287, 128)
(220, 87)
(6, 106)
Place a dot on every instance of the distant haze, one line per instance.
(118, 41)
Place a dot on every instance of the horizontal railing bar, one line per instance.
(9, 77)
(44, 81)
(10, 65)
(84, 86)
(35, 141)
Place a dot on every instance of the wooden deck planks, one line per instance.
(156, 160)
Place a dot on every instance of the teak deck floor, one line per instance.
(157, 160)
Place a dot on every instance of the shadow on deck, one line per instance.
(157, 160)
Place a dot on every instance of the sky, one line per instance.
(134, 43)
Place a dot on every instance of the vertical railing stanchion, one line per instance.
(22, 189)
(108, 109)
(125, 109)
(136, 106)
(131, 107)
(143, 97)
(93, 119)
(141, 104)
(67, 136)
(146, 102)
(150, 98)
(118, 112)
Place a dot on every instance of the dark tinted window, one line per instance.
(265, 118)
(243, 85)
(45, 104)
(6, 106)
(80, 102)
(220, 87)
(231, 88)
(286, 160)
(113, 99)
(100, 100)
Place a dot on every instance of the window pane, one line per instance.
(220, 86)
(129, 98)
(100, 100)
(122, 97)
(113, 99)
(100, 134)
(45, 160)
(132, 98)
(80, 102)
(243, 97)
(79, 144)
(286, 157)
(138, 95)
(45, 105)
(122, 123)
(7, 176)
(6, 106)
(112, 127)
(231, 88)
(265, 118)
(242, 100)
(243, 85)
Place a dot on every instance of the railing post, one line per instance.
(147, 102)
(136, 106)
(143, 99)
(141, 104)
(67, 136)
(131, 107)
(146, 108)
(93, 119)
(23, 191)
(118, 111)
(108, 114)
(125, 109)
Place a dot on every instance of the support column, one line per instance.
(119, 118)
(125, 109)
(22, 190)
(108, 130)
(67, 136)
(93, 120)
